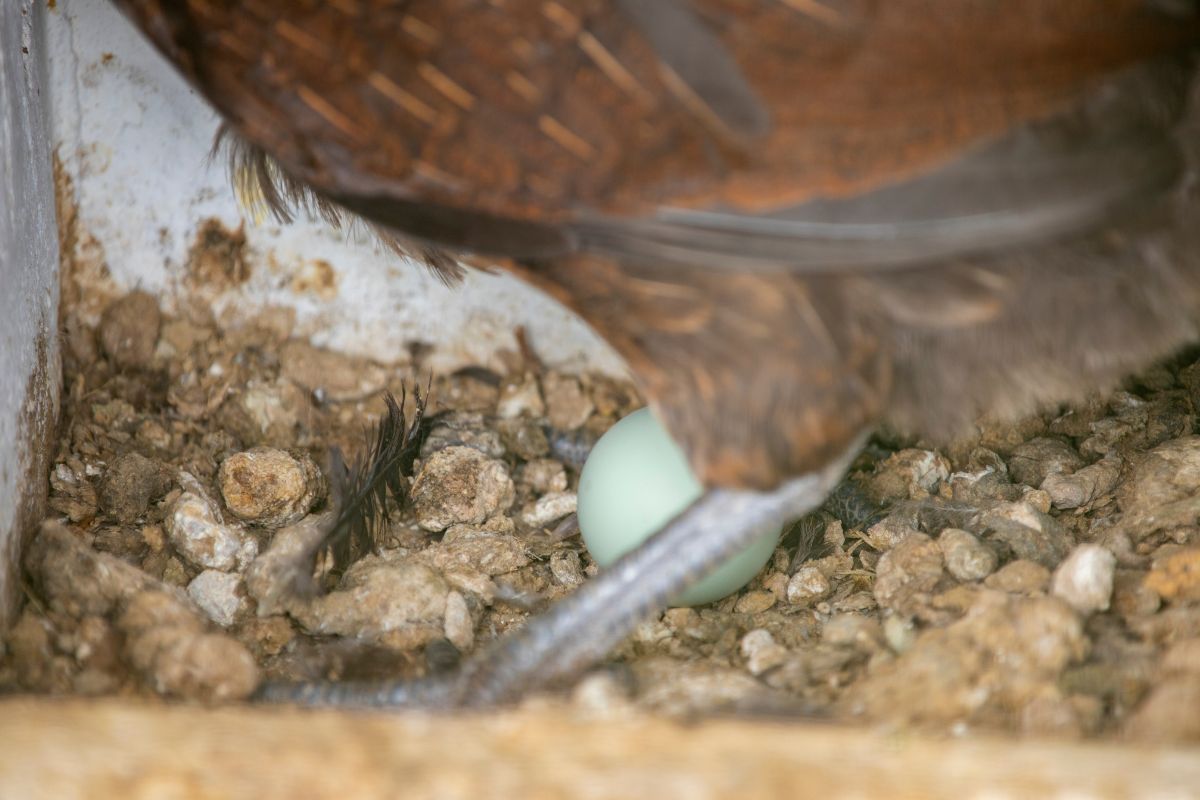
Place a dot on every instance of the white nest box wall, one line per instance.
(135, 139)
(132, 141)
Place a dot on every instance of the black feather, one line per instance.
(361, 490)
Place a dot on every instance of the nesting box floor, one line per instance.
(1037, 578)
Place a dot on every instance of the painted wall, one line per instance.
(29, 370)
(135, 141)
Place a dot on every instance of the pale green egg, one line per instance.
(637, 479)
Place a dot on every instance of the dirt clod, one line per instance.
(270, 487)
(129, 330)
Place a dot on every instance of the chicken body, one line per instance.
(795, 219)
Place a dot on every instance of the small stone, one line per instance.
(853, 630)
(472, 583)
(457, 623)
(1086, 486)
(967, 558)
(888, 532)
(520, 398)
(1031, 461)
(1177, 577)
(1002, 655)
(1038, 499)
(1051, 714)
(1159, 478)
(198, 535)
(1030, 534)
(130, 484)
(754, 602)
(129, 330)
(267, 413)
(908, 573)
(29, 650)
(166, 642)
(1085, 579)
(651, 632)
(899, 633)
(776, 583)
(543, 475)
(1169, 713)
(613, 397)
(672, 687)
(97, 644)
(909, 475)
(154, 537)
(1020, 577)
(600, 695)
(524, 438)
(549, 508)
(566, 569)
(1183, 658)
(460, 485)
(808, 586)
(467, 429)
(220, 595)
(477, 549)
(761, 651)
(121, 541)
(75, 579)
(270, 487)
(396, 603)
(567, 407)
(473, 389)
(1003, 435)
